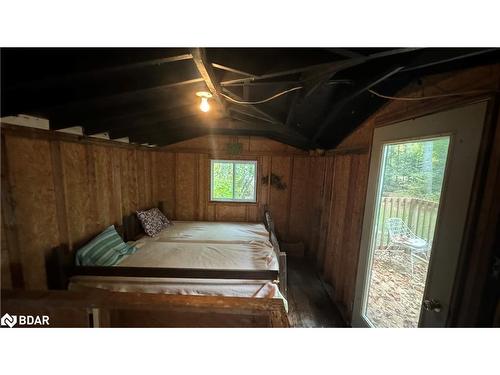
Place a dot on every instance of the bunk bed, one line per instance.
(189, 257)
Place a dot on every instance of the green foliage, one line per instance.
(233, 180)
(415, 169)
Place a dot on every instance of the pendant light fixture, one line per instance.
(204, 105)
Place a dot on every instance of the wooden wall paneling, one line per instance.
(186, 189)
(336, 224)
(264, 189)
(142, 183)
(10, 242)
(116, 191)
(78, 192)
(148, 180)
(104, 186)
(5, 262)
(155, 198)
(344, 244)
(31, 182)
(279, 199)
(327, 210)
(230, 212)
(124, 181)
(203, 186)
(300, 201)
(59, 191)
(133, 183)
(352, 235)
(94, 217)
(166, 180)
(315, 193)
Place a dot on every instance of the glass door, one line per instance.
(420, 180)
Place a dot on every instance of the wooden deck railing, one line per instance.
(420, 215)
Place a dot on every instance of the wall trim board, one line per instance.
(51, 135)
(223, 154)
(431, 106)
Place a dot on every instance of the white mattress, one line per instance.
(197, 245)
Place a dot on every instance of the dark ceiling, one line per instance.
(148, 94)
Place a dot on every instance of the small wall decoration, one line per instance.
(234, 148)
(275, 181)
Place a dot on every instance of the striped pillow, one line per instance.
(107, 249)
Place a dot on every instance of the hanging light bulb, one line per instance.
(204, 105)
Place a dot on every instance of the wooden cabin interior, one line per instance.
(250, 187)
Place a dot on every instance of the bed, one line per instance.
(191, 258)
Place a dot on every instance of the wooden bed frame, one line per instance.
(61, 266)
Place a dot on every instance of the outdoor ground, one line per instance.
(395, 295)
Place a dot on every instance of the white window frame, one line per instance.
(233, 162)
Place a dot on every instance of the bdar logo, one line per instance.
(9, 320)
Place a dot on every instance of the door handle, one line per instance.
(432, 305)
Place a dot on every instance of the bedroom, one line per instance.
(228, 174)
(179, 177)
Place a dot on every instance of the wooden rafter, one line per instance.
(325, 68)
(57, 80)
(430, 57)
(252, 107)
(232, 70)
(205, 68)
(355, 91)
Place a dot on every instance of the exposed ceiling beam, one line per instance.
(344, 52)
(291, 109)
(325, 68)
(237, 109)
(354, 92)
(85, 104)
(268, 83)
(232, 70)
(205, 68)
(122, 126)
(433, 56)
(153, 132)
(251, 107)
(57, 80)
(176, 136)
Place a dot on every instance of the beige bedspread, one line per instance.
(218, 232)
(205, 245)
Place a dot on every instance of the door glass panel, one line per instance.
(407, 202)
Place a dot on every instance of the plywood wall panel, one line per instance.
(352, 234)
(203, 186)
(230, 212)
(279, 199)
(300, 200)
(327, 203)
(166, 172)
(30, 175)
(78, 186)
(116, 190)
(104, 184)
(186, 186)
(5, 260)
(315, 194)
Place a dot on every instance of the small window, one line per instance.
(233, 180)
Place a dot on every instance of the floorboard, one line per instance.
(308, 303)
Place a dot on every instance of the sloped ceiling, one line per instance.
(149, 94)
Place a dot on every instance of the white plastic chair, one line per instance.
(402, 237)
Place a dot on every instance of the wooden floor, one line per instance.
(308, 302)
